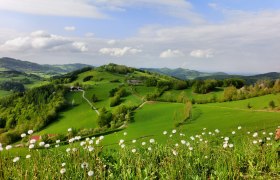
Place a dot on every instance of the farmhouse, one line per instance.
(134, 82)
(74, 88)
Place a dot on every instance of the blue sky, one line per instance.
(219, 35)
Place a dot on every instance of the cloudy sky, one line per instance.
(237, 36)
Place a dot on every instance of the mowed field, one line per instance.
(79, 116)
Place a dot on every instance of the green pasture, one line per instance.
(78, 116)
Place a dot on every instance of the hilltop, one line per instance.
(10, 64)
(184, 74)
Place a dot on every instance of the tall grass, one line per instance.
(208, 155)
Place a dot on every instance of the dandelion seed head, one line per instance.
(122, 146)
(133, 141)
(143, 143)
(183, 141)
(90, 173)
(41, 143)
(28, 156)
(31, 146)
(230, 145)
(16, 159)
(175, 153)
(125, 133)
(152, 141)
(30, 132)
(226, 138)
(57, 141)
(255, 134)
(149, 148)
(62, 171)
(68, 150)
(233, 132)
(8, 147)
(69, 129)
(255, 142)
(239, 127)
(23, 135)
(47, 145)
(217, 131)
(133, 150)
(164, 132)
(84, 165)
(174, 131)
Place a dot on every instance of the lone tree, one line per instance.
(272, 104)
(94, 98)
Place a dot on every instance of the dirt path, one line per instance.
(91, 105)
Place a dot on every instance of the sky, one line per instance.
(234, 36)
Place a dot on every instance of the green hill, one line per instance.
(10, 64)
(181, 73)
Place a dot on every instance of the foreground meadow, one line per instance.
(210, 154)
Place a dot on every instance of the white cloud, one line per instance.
(69, 28)
(111, 42)
(80, 46)
(171, 54)
(72, 8)
(199, 53)
(41, 40)
(118, 52)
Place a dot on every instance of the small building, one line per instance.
(134, 82)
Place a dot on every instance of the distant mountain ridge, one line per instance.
(183, 74)
(10, 64)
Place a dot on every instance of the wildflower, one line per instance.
(264, 133)
(255, 134)
(63, 164)
(90, 148)
(174, 131)
(230, 145)
(56, 146)
(28, 156)
(233, 132)
(101, 137)
(82, 143)
(203, 133)
(32, 141)
(30, 132)
(248, 132)
(204, 129)
(90, 173)
(175, 153)
(206, 157)
(90, 141)
(69, 129)
(23, 135)
(176, 144)
(200, 140)
(152, 141)
(68, 150)
(74, 149)
(121, 142)
(133, 141)
(190, 148)
(268, 138)
(47, 145)
(260, 140)
(143, 143)
(133, 150)
(205, 142)
(255, 142)
(41, 143)
(93, 138)
(57, 141)
(97, 141)
(8, 147)
(16, 159)
(62, 171)
(125, 133)
(192, 138)
(78, 138)
(217, 131)
(187, 143)
(225, 145)
(226, 138)
(122, 146)
(1, 149)
(164, 132)
(170, 135)
(149, 148)
(209, 133)
(84, 165)
(31, 146)
(71, 140)
(239, 127)
(183, 141)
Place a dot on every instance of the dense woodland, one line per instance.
(33, 109)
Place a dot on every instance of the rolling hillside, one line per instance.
(10, 64)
